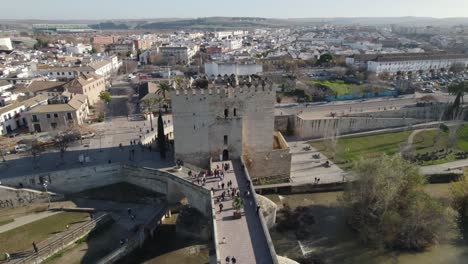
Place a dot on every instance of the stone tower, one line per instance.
(227, 121)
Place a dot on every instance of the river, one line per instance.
(333, 242)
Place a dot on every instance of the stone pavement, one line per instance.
(444, 168)
(244, 237)
(305, 168)
(23, 220)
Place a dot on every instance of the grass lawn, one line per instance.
(7, 221)
(340, 87)
(351, 149)
(21, 238)
(433, 140)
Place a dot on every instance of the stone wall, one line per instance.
(269, 209)
(270, 164)
(208, 122)
(77, 180)
(427, 113)
(12, 197)
(281, 122)
(174, 187)
(319, 128)
(70, 181)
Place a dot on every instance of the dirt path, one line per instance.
(415, 132)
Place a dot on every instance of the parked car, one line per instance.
(13, 134)
(22, 148)
(87, 135)
(136, 118)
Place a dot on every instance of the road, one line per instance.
(377, 104)
(116, 130)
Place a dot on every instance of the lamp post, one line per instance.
(48, 195)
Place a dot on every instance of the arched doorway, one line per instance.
(225, 154)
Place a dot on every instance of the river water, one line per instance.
(333, 242)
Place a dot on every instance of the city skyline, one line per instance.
(119, 9)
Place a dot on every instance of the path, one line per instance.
(415, 132)
(23, 220)
(245, 239)
(305, 168)
(444, 168)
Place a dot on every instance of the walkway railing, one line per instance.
(266, 232)
(61, 243)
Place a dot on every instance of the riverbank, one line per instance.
(332, 241)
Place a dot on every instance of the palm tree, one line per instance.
(163, 88)
(459, 90)
(237, 204)
(150, 103)
(179, 81)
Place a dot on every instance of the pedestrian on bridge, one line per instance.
(233, 260)
(222, 185)
(221, 207)
(228, 259)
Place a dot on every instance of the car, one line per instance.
(22, 148)
(13, 134)
(136, 117)
(87, 135)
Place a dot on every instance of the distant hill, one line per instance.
(219, 23)
(216, 23)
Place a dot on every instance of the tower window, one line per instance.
(226, 113)
(225, 139)
(235, 112)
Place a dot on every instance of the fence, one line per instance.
(360, 96)
(271, 247)
(62, 242)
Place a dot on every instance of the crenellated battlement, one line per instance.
(228, 91)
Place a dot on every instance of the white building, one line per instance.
(4, 85)
(215, 69)
(79, 49)
(232, 44)
(394, 63)
(5, 44)
(13, 116)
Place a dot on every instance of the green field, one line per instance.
(344, 151)
(21, 238)
(340, 87)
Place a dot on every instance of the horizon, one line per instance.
(294, 9)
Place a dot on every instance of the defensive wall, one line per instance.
(77, 180)
(12, 197)
(356, 122)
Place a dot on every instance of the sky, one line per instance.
(135, 9)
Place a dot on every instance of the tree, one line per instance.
(459, 192)
(289, 128)
(387, 206)
(325, 59)
(237, 204)
(459, 90)
(179, 81)
(163, 88)
(457, 68)
(105, 97)
(161, 137)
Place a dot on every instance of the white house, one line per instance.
(215, 69)
(13, 116)
(394, 63)
(4, 85)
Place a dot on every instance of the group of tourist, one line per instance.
(232, 260)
